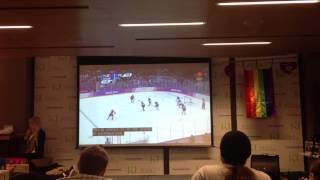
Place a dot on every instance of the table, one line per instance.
(11, 144)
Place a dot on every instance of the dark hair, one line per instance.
(93, 161)
(235, 149)
(315, 169)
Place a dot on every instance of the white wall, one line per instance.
(55, 103)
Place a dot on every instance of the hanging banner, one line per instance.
(259, 93)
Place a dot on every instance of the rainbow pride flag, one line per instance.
(259, 93)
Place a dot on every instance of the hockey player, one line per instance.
(156, 105)
(142, 105)
(111, 114)
(203, 104)
(183, 107)
(149, 101)
(178, 100)
(132, 98)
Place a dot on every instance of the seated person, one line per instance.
(235, 149)
(314, 171)
(92, 164)
(35, 139)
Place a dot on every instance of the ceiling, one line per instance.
(90, 27)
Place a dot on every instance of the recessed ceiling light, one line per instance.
(16, 27)
(163, 24)
(236, 43)
(253, 3)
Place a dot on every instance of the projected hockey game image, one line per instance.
(145, 105)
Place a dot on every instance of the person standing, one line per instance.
(35, 139)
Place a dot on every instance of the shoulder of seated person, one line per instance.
(211, 167)
(77, 177)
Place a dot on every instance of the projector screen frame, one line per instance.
(129, 60)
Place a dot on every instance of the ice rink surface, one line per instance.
(168, 123)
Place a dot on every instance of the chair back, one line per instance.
(268, 164)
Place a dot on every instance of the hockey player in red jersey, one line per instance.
(184, 109)
(203, 104)
(111, 114)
